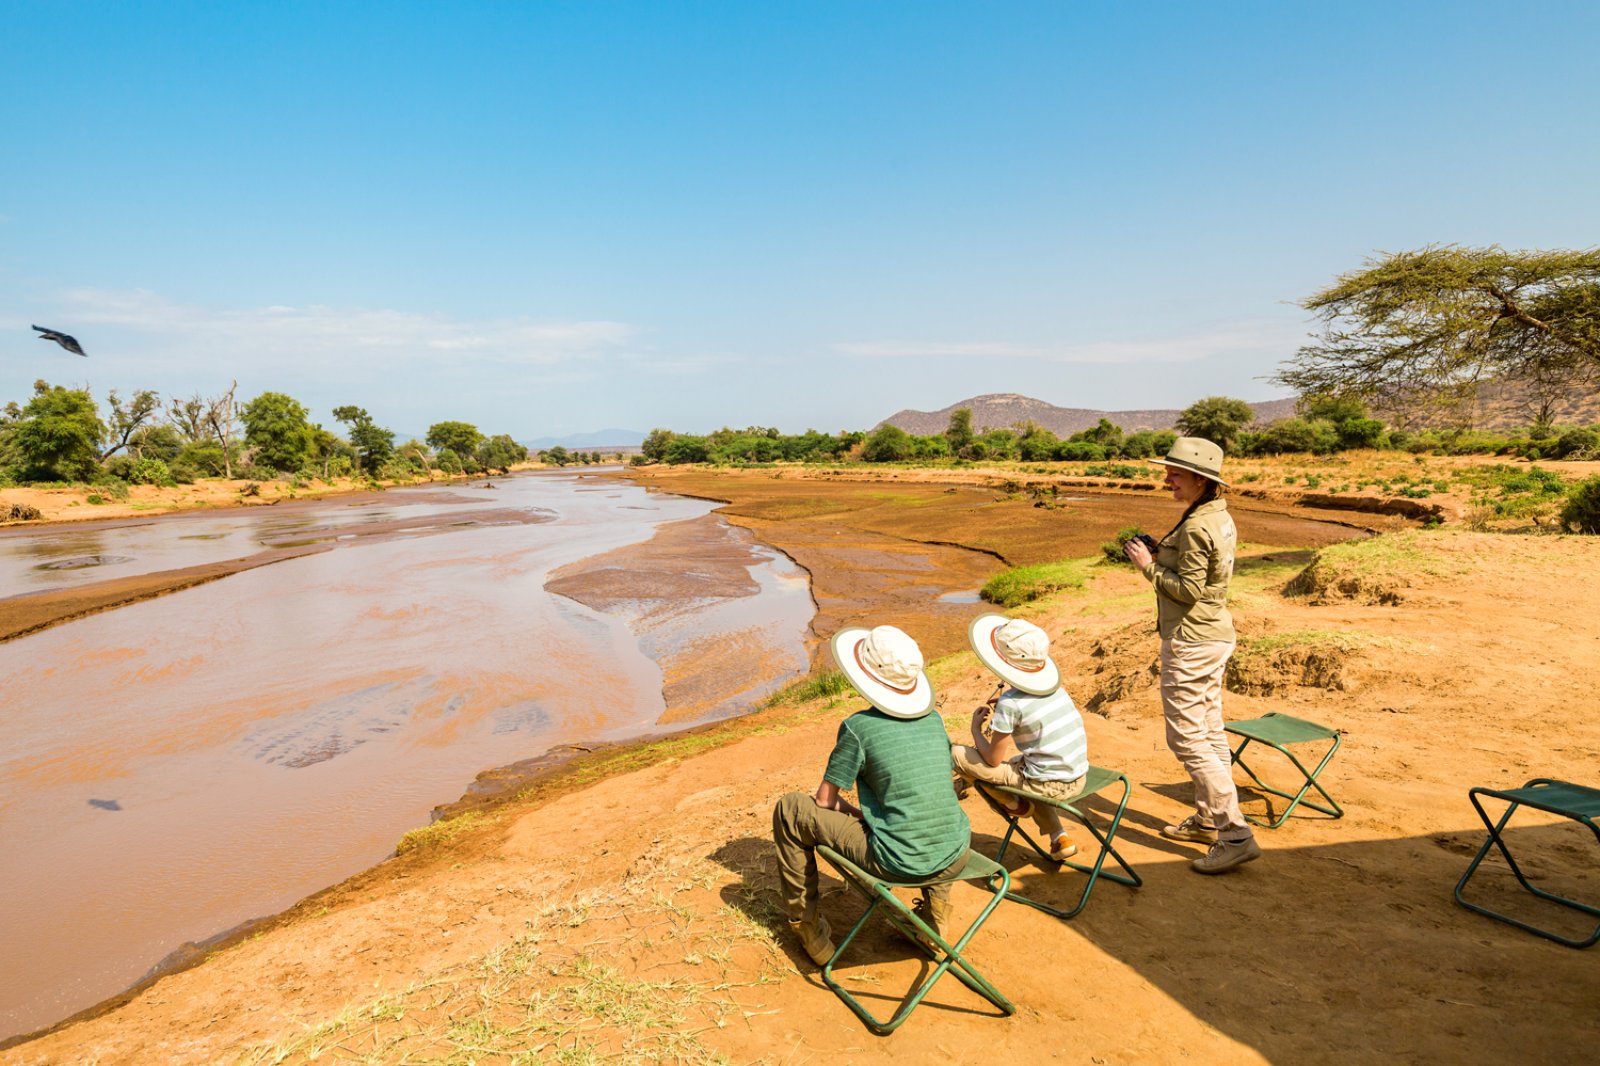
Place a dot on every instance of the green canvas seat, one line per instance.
(879, 893)
(1577, 802)
(1278, 731)
(1097, 779)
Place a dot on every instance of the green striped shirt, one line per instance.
(900, 769)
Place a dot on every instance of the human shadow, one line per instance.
(1333, 949)
(881, 967)
(1324, 949)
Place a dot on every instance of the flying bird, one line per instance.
(66, 341)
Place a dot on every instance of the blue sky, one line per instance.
(557, 217)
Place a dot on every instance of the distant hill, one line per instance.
(603, 439)
(1002, 410)
(1501, 405)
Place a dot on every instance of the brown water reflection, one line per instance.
(177, 766)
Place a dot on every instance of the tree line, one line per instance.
(60, 434)
(1322, 425)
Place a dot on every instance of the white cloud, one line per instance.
(1261, 335)
(318, 332)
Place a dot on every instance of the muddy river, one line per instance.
(180, 765)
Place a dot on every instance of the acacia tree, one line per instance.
(500, 452)
(373, 444)
(276, 426)
(221, 420)
(56, 436)
(126, 419)
(1216, 418)
(1436, 322)
(959, 431)
(463, 438)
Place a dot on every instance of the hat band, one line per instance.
(1214, 475)
(1007, 659)
(879, 678)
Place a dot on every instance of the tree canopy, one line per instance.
(1216, 418)
(373, 444)
(276, 426)
(1440, 320)
(57, 434)
(462, 438)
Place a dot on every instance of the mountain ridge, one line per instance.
(1004, 410)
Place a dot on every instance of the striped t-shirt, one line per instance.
(900, 769)
(1047, 730)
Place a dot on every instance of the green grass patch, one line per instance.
(826, 685)
(439, 833)
(1025, 584)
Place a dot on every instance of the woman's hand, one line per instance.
(1137, 554)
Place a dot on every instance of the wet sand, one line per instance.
(901, 547)
(664, 588)
(185, 762)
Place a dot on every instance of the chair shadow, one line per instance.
(755, 896)
(1272, 953)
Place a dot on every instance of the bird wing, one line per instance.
(70, 343)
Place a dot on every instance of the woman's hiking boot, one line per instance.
(815, 937)
(1226, 854)
(1192, 830)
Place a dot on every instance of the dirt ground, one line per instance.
(623, 909)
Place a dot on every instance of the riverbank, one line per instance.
(577, 920)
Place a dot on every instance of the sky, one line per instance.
(552, 218)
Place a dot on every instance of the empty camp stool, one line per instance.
(1097, 779)
(879, 892)
(1580, 803)
(1278, 731)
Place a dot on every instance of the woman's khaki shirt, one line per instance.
(1191, 571)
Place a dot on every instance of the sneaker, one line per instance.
(815, 937)
(1190, 829)
(1226, 854)
(1062, 848)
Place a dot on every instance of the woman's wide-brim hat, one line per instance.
(885, 665)
(1016, 651)
(1196, 455)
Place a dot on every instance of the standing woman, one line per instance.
(1190, 570)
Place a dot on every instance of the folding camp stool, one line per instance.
(1279, 731)
(879, 893)
(1563, 798)
(1097, 778)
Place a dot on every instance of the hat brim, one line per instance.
(896, 704)
(980, 634)
(1181, 465)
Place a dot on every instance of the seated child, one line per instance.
(896, 755)
(1030, 736)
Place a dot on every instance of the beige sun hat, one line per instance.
(885, 665)
(1017, 651)
(1196, 455)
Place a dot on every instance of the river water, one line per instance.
(175, 767)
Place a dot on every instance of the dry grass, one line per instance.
(634, 974)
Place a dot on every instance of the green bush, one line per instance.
(151, 472)
(1081, 451)
(1576, 444)
(1124, 471)
(1582, 511)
